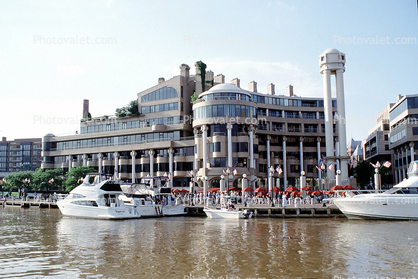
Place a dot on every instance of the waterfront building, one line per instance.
(355, 152)
(19, 155)
(376, 145)
(228, 136)
(403, 135)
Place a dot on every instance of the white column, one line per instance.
(100, 158)
(403, 167)
(341, 123)
(318, 151)
(171, 165)
(133, 155)
(301, 153)
(411, 146)
(268, 154)
(151, 162)
(84, 160)
(205, 145)
(195, 152)
(251, 134)
(229, 133)
(116, 155)
(329, 133)
(399, 166)
(70, 163)
(284, 165)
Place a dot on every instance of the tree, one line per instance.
(18, 180)
(74, 175)
(130, 110)
(48, 180)
(193, 97)
(364, 172)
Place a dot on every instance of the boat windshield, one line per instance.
(407, 190)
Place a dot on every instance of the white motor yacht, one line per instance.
(398, 203)
(156, 188)
(226, 211)
(97, 198)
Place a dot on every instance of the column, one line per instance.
(204, 129)
(170, 165)
(268, 156)
(229, 133)
(151, 162)
(195, 152)
(116, 155)
(251, 134)
(329, 134)
(84, 160)
(301, 153)
(412, 150)
(341, 123)
(399, 165)
(403, 167)
(70, 163)
(284, 164)
(318, 151)
(133, 155)
(100, 162)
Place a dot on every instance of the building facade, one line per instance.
(19, 155)
(403, 136)
(228, 133)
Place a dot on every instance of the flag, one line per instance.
(170, 176)
(374, 166)
(279, 170)
(224, 172)
(235, 172)
(331, 167)
(319, 169)
(321, 161)
(387, 164)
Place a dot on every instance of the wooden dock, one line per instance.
(314, 211)
(28, 204)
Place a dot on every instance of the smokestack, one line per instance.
(252, 86)
(289, 91)
(85, 107)
(270, 89)
(236, 82)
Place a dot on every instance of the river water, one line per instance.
(39, 243)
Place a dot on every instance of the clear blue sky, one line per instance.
(54, 54)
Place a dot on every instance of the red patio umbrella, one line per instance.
(309, 193)
(234, 189)
(306, 188)
(276, 189)
(336, 188)
(247, 190)
(260, 189)
(261, 194)
(348, 187)
(214, 190)
(291, 189)
(183, 191)
(175, 190)
(295, 193)
(316, 193)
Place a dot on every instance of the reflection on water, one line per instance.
(41, 243)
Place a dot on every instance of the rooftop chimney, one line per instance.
(184, 70)
(209, 76)
(270, 89)
(220, 78)
(161, 80)
(85, 108)
(3, 139)
(399, 97)
(252, 86)
(236, 82)
(289, 91)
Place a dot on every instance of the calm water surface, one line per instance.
(38, 243)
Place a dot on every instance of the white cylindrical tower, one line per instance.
(332, 62)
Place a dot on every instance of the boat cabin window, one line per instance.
(76, 196)
(85, 203)
(411, 190)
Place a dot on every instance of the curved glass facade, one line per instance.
(160, 94)
(224, 110)
(158, 108)
(226, 96)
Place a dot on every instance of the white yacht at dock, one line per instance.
(398, 203)
(97, 197)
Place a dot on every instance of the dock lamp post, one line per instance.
(228, 171)
(323, 176)
(222, 184)
(193, 174)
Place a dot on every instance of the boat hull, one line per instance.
(225, 214)
(379, 206)
(174, 210)
(100, 212)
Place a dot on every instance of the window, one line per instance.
(160, 94)
(215, 147)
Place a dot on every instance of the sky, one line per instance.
(54, 54)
